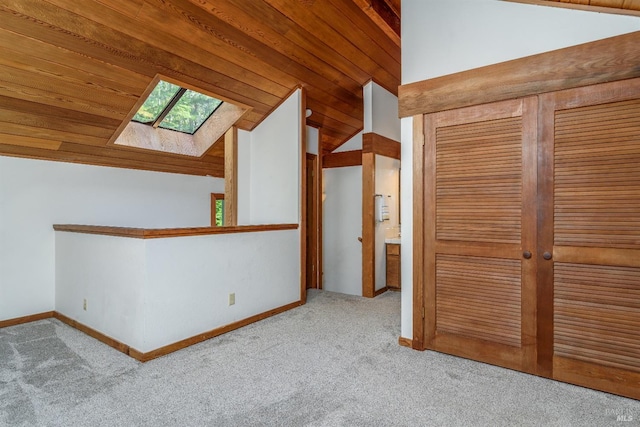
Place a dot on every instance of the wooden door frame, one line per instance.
(313, 228)
(372, 144)
(302, 128)
(420, 174)
(368, 225)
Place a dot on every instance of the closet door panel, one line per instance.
(596, 237)
(483, 221)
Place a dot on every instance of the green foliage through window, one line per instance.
(176, 108)
(220, 212)
(190, 112)
(157, 101)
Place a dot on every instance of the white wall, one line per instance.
(406, 221)
(381, 111)
(342, 225)
(190, 279)
(444, 37)
(110, 273)
(36, 194)
(387, 176)
(313, 140)
(166, 290)
(355, 143)
(274, 171)
(244, 177)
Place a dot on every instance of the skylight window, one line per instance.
(174, 119)
(172, 107)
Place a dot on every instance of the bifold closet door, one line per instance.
(590, 231)
(480, 232)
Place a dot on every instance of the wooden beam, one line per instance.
(378, 144)
(368, 225)
(231, 177)
(342, 159)
(603, 6)
(611, 59)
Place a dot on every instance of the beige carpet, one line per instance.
(332, 362)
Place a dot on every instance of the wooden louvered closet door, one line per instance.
(480, 220)
(590, 223)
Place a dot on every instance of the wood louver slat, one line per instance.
(479, 298)
(479, 184)
(597, 176)
(597, 314)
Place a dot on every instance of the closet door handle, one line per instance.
(547, 255)
(526, 255)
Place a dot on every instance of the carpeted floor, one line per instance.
(332, 362)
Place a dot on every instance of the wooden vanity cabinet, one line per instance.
(393, 266)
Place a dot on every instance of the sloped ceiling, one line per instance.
(71, 71)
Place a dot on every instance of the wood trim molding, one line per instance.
(148, 233)
(381, 145)
(368, 225)
(162, 351)
(25, 319)
(380, 291)
(342, 159)
(611, 59)
(418, 341)
(405, 342)
(231, 177)
(302, 159)
(121, 347)
(179, 345)
(587, 7)
(315, 226)
(320, 183)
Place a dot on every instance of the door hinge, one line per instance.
(423, 312)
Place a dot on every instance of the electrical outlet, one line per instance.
(232, 299)
(84, 304)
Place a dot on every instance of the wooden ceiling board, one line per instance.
(342, 35)
(71, 72)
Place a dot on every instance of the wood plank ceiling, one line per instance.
(70, 71)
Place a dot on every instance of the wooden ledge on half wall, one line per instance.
(158, 233)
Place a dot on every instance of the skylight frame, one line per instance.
(138, 136)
